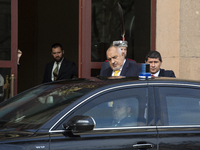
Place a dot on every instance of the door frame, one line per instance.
(85, 65)
(14, 44)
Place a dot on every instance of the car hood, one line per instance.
(9, 135)
(21, 140)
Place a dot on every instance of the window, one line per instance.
(5, 30)
(120, 112)
(35, 107)
(120, 108)
(106, 27)
(181, 106)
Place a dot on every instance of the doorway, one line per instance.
(8, 48)
(41, 24)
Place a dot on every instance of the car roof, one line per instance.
(105, 81)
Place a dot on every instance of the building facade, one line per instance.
(86, 28)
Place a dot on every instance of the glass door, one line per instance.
(8, 48)
(100, 25)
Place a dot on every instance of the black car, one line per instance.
(125, 114)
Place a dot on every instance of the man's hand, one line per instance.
(19, 54)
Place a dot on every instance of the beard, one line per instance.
(116, 67)
(58, 59)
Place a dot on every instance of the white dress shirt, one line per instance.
(156, 74)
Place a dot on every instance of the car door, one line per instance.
(178, 120)
(137, 131)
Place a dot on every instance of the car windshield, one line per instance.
(33, 108)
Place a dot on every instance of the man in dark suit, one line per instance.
(60, 68)
(119, 66)
(123, 46)
(155, 60)
(123, 114)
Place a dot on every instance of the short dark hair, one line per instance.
(57, 45)
(153, 54)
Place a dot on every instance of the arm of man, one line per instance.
(130, 69)
(67, 70)
(172, 74)
(166, 73)
(104, 66)
(136, 69)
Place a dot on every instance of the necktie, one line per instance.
(116, 72)
(55, 72)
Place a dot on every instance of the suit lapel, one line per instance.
(161, 74)
(51, 66)
(109, 72)
(62, 66)
(125, 68)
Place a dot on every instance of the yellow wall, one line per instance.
(167, 33)
(190, 39)
(178, 36)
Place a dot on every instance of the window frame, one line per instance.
(162, 111)
(57, 127)
(85, 64)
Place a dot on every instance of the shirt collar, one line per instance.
(123, 64)
(156, 74)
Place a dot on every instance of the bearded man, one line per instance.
(60, 68)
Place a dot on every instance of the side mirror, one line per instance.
(80, 124)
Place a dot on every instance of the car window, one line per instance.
(119, 112)
(33, 108)
(181, 106)
(119, 108)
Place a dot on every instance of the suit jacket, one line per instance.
(129, 70)
(128, 121)
(106, 65)
(166, 73)
(67, 70)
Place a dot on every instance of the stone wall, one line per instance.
(189, 39)
(167, 33)
(178, 36)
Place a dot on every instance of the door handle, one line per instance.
(141, 146)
